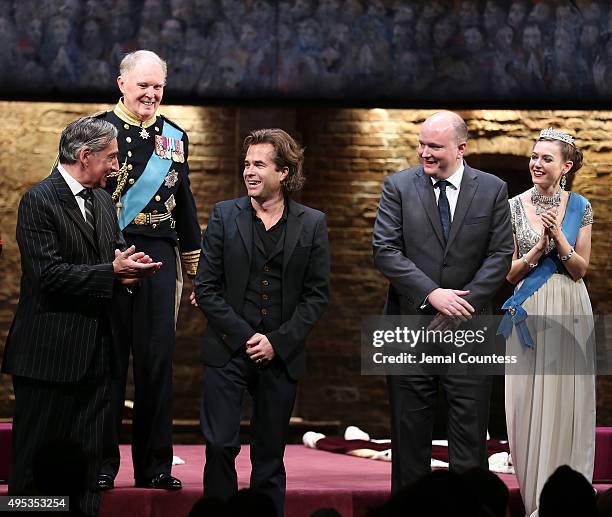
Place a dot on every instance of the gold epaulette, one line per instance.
(171, 122)
(98, 114)
(190, 260)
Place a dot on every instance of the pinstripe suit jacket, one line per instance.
(66, 285)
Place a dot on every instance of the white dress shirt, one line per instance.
(75, 187)
(452, 192)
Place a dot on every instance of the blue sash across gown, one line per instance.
(515, 315)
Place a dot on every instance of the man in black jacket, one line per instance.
(59, 349)
(262, 282)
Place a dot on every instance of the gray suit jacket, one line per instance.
(409, 245)
(66, 284)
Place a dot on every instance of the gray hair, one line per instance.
(91, 132)
(130, 60)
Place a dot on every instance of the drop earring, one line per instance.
(563, 181)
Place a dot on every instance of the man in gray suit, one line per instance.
(443, 239)
(59, 348)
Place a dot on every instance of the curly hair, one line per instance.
(288, 153)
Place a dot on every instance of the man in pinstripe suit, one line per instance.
(59, 348)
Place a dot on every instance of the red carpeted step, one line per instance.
(602, 472)
(314, 479)
(5, 451)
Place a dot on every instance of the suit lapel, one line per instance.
(469, 185)
(104, 230)
(293, 231)
(424, 188)
(70, 205)
(244, 221)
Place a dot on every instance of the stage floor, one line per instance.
(315, 479)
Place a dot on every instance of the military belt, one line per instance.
(151, 219)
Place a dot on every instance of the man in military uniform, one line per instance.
(157, 213)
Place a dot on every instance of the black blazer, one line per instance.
(223, 273)
(409, 246)
(66, 284)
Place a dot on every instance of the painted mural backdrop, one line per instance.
(311, 49)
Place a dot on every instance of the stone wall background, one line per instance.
(348, 152)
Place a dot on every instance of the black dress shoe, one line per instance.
(105, 482)
(163, 481)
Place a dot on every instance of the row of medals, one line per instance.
(163, 151)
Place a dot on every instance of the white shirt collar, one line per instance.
(455, 178)
(74, 185)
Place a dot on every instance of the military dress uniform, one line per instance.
(157, 214)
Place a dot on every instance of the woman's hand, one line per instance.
(551, 225)
(540, 246)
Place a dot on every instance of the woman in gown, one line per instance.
(550, 394)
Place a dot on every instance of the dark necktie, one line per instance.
(444, 208)
(87, 195)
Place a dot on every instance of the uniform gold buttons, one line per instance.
(126, 126)
(129, 154)
(157, 198)
(154, 226)
(264, 312)
(128, 139)
(130, 167)
(156, 129)
(265, 283)
(131, 181)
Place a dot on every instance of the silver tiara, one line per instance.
(556, 135)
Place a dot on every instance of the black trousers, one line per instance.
(46, 411)
(412, 399)
(273, 394)
(144, 326)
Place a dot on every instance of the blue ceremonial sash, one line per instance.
(515, 314)
(141, 192)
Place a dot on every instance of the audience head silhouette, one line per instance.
(567, 493)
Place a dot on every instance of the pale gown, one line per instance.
(551, 417)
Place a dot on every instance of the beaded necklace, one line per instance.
(542, 202)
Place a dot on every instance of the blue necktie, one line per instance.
(444, 208)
